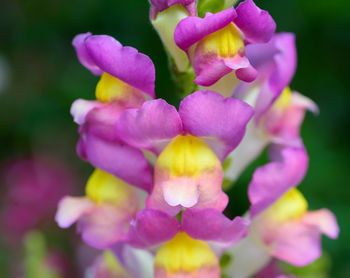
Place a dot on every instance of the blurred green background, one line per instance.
(45, 77)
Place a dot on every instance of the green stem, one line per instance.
(184, 84)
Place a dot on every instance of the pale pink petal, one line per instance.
(70, 209)
(324, 220)
(80, 108)
(297, 244)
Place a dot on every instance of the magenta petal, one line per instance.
(247, 74)
(212, 225)
(324, 220)
(209, 71)
(220, 121)
(123, 161)
(149, 127)
(83, 55)
(104, 226)
(122, 62)
(81, 148)
(272, 180)
(151, 227)
(256, 24)
(297, 244)
(101, 121)
(192, 29)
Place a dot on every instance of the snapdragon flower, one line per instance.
(279, 210)
(281, 226)
(279, 111)
(215, 44)
(127, 81)
(156, 194)
(190, 145)
(290, 232)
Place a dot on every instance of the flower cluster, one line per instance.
(154, 204)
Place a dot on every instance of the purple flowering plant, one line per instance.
(154, 203)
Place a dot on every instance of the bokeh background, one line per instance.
(40, 77)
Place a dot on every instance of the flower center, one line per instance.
(185, 255)
(226, 41)
(106, 188)
(187, 156)
(283, 101)
(110, 88)
(291, 205)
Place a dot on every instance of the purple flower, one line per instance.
(279, 211)
(279, 112)
(216, 44)
(127, 81)
(190, 144)
(99, 144)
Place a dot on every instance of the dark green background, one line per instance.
(35, 39)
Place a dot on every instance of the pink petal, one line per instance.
(211, 225)
(84, 57)
(324, 220)
(222, 126)
(150, 127)
(192, 29)
(297, 244)
(122, 62)
(256, 24)
(272, 180)
(126, 163)
(151, 227)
